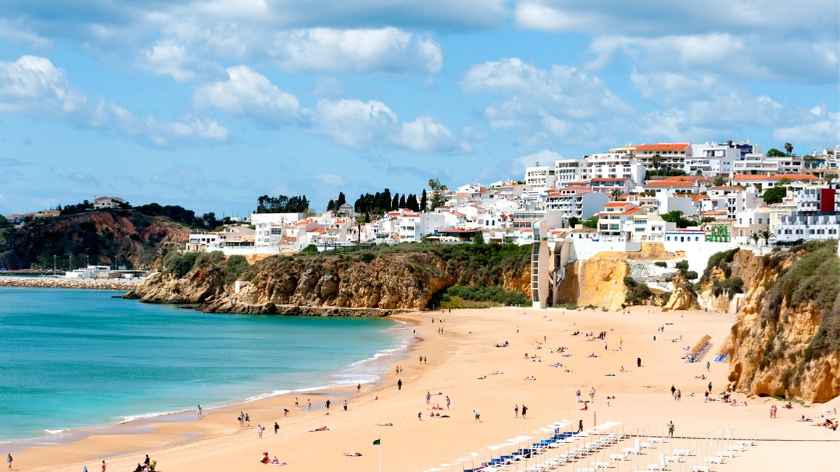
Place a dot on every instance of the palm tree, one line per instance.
(656, 160)
(755, 237)
(765, 235)
(789, 149)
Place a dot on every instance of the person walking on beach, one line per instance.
(308, 404)
(671, 428)
(524, 411)
(276, 428)
(10, 460)
(428, 397)
(84, 468)
(200, 411)
(399, 384)
(580, 426)
(448, 402)
(260, 429)
(516, 411)
(104, 466)
(638, 362)
(327, 404)
(345, 406)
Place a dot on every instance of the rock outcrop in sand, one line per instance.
(683, 297)
(785, 340)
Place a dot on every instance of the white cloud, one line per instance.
(33, 83)
(550, 103)
(690, 50)
(168, 58)
(328, 49)
(427, 135)
(822, 129)
(667, 86)
(544, 157)
(113, 117)
(247, 92)
(355, 123)
(19, 33)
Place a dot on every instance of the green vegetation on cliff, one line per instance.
(813, 280)
(459, 296)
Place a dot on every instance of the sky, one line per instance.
(209, 104)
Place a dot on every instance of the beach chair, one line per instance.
(700, 468)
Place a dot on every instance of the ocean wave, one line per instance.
(54, 431)
(156, 414)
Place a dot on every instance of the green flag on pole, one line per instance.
(377, 442)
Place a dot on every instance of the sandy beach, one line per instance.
(465, 364)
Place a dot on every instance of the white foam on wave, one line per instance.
(263, 396)
(146, 416)
(54, 431)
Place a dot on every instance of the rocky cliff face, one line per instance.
(785, 340)
(399, 280)
(124, 237)
(683, 297)
(598, 281)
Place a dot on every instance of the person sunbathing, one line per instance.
(265, 459)
(353, 454)
(276, 461)
(320, 428)
(385, 424)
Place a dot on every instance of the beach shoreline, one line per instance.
(136, 426)
(471, 363)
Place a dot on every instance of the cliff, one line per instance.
(401, 278)
(597, 281)
(786, 339)
(124, 237)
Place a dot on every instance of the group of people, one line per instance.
(523, 410)
(266, 460)
(148, 465)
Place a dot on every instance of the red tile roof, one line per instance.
(774, 178)
(662, 147)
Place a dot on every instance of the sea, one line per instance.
(71, 359)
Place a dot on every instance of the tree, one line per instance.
(423, 201)
(765, 235)
(719, 181)
(789, 149)
(677, 218)
(395, 202)
(282, 204)
(411, 203)
(656, 160)
(210, 221)
(591, 222)
(438, 190)
(573, 221)
(402, 201)
(774, 194)
(341, 200)
(331, 205)
(478, 238)
(773, 152)
(755, 237)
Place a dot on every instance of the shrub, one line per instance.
(234, 268)
(310, 250)
(367, 257)
(179, 264)
(660, 264)
(492, 295)
(637, 293)
(682, 266)
(691, 275)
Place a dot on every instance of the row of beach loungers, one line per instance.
(590, 451)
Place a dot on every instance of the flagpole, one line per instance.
(380, 458)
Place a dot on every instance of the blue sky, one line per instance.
(209, 104)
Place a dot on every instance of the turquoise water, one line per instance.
(72, 358)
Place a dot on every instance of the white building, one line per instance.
(577, 203)
(539, 178)
(807, 227)
(101, 203)
(612, 166)
(269, 226)
(711, 159)
(567, 171)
